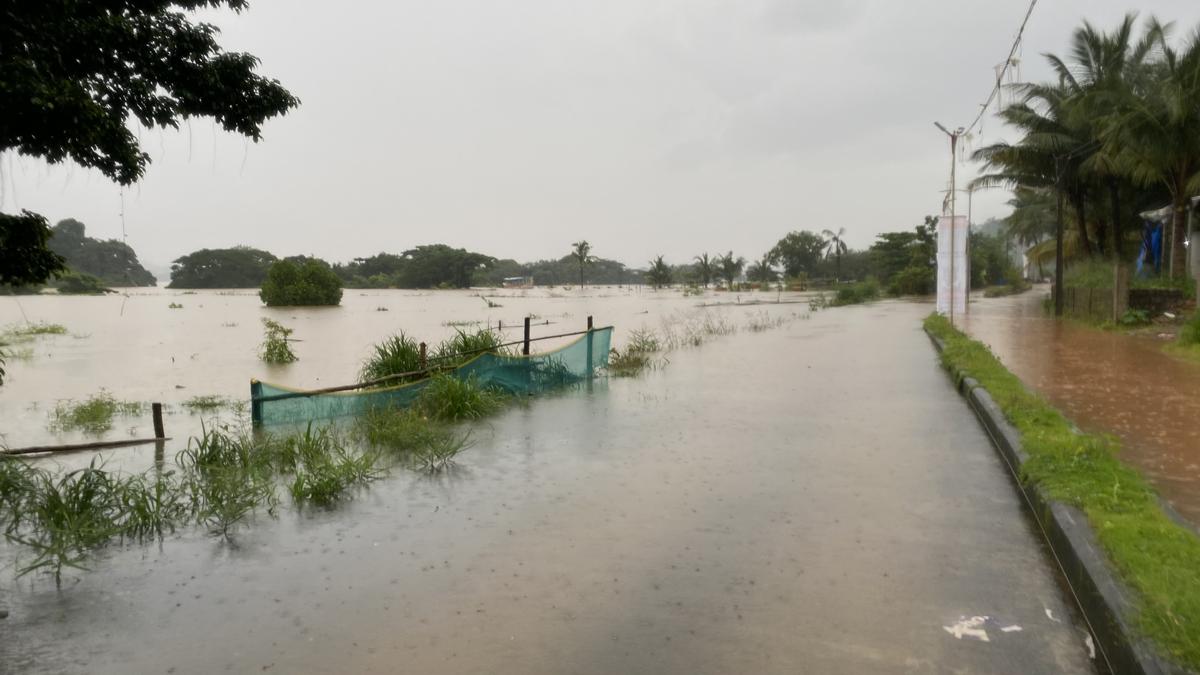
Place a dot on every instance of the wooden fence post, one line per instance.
(156, 413)
(525, 347)
(424, 361)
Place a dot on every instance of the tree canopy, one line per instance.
(238, 267)
(798, 252)
(73, 73)
(113, 262)
(301, 281)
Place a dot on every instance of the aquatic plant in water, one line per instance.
(275, 348)
(450, 398)
(93, 416)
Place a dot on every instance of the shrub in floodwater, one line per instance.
(275, 347)
(174, 305)
(30, 330)
(396, 355)
(92, 416)
(856, 293)
(439, 453)
(465, 346)
(451, 398)
(628, 363)
(304, 282)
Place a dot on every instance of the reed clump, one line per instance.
(93, 415)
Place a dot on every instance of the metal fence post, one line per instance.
(525, 347)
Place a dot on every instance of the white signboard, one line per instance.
(952, 266)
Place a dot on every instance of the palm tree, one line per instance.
(1155, 136)
(659, 274)
(705, 268)
(835, 246)
(1032, 218)
(730, 267)
(582, 255)
(762, 271)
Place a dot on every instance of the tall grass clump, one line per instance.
(93, 416)
(759, 322)
(638, 355)
(30, 330)
(465, 346)
(327, 479)
(275, 348)
(449, 398)
(227, 478)
(396, 355)
(1154, 555)
(64, 519)
(1190, 335)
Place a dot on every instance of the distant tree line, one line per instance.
(90, 265)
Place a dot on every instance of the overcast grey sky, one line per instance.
(515, 128)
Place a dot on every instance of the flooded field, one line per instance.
(1106, 382)
(776, 501)
(139, 348)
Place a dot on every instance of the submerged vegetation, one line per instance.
(275, 348)
(451, 399)
(1155, 556)
(93, 416)
(397, 355)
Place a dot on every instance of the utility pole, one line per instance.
(954, 135)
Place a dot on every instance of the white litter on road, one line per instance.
(1087, 640)
(969, 628)
(1050, 615)
(1011, 629)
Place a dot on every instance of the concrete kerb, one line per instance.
(1106, 603)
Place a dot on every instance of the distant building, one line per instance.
(518, 282)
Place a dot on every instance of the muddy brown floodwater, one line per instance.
(814, 498)
(1107, 382)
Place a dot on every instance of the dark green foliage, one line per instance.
(990, 264)
(113, 262)
(730, 268)
(396, 355)
(798, 252)
(564, 271)
(637, 357)
(303, 282)
(856, 293)
(74, 73)
(25, 258)
(77, 283)
(659, 274)
(905, 261)
(1155, 556)
(239, 267)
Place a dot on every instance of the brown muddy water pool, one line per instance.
(1106, 382)
(813, 498)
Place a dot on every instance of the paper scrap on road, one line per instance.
(969, 628)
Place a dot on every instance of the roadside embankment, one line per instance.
(1134, 569)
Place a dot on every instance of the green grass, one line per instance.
(396, 355)
(465, 346)
(275, 348)
(413, 439)
(638, 355)
(93, 416)
(450, 399)
(1157, 558)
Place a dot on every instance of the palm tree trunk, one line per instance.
(1059, 291)
(1117, 233)
(1178, 234)
(1081, 216)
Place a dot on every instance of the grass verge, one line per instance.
(1157, 558)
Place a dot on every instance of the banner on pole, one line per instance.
(953, 272)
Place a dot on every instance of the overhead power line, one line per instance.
(1004, 70)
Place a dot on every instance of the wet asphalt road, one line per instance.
(812, 499)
